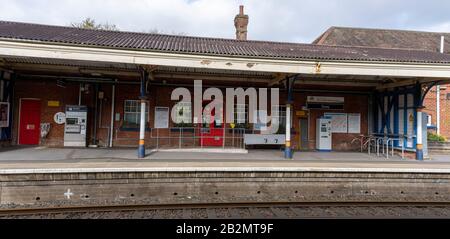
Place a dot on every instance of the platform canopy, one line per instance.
(120, 53)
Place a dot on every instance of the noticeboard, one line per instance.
(354, 123)
(161, 117)
(338, 122)
(4, 114)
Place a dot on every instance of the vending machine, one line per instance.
(75, 127)
(323, 134)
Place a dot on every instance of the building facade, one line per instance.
(401, 39)
(125, 81)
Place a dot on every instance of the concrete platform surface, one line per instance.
(53, 160)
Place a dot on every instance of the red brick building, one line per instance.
(400, 39)
(125, 81)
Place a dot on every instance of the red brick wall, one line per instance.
(340, 141)
(159, 96)
(430, 108)
(45, 90)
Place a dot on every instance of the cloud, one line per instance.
(276, 20)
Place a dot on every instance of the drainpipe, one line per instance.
(111, 128)
(94, 140)
(438, 97)
(143, 97)
(79, 95)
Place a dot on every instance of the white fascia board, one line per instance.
(19, 48)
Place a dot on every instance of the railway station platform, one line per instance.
(53, 178)
(40, 159)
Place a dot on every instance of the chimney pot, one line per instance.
(241, 10)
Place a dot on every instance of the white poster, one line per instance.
(354, 123)
(410, 131)
(338, 122)
(161, 117)
(4, 114)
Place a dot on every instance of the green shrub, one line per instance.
(436, 138)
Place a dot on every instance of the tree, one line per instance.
(90, 23)
(157, 31)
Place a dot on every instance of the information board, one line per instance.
(4, 114)
(338, 122)
(161, 117)
(354, 123)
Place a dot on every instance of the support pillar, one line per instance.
(288, 149)
(288, 153)
(141, 150)
(419, 143)
(143, 97)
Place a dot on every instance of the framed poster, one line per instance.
(338, 122)
(354, 123)
(4, 114)
(161, 117)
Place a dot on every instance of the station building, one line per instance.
(65, 87)
(438, 99)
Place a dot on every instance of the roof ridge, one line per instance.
(386, 29)
(154, 34)
(210, 46)
(217, 39)
(381, 48)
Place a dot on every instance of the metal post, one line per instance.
(419, 144)
(94, 137)
(113, 97)
(179, 139)
(438, 109)
(232, 139)
(141, 153)
(79, 95)
(157, 138)
(143, 97)
(438, 96)
(288, 149)
(224, 136)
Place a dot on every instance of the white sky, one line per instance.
(275, 20)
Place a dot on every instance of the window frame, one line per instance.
(137, 112)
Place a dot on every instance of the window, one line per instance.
(183, 116)
(132, 113)
(428, 120)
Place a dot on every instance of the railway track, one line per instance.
(238, 211)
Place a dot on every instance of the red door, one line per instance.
(211, 132)
(30, 121)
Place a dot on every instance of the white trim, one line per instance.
(325, 169)
(24, 48)
(18, 123)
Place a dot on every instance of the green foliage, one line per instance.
(436, 138)
(90, 23)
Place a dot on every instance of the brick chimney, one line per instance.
(241, 23)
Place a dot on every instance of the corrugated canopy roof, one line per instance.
(210, 46)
